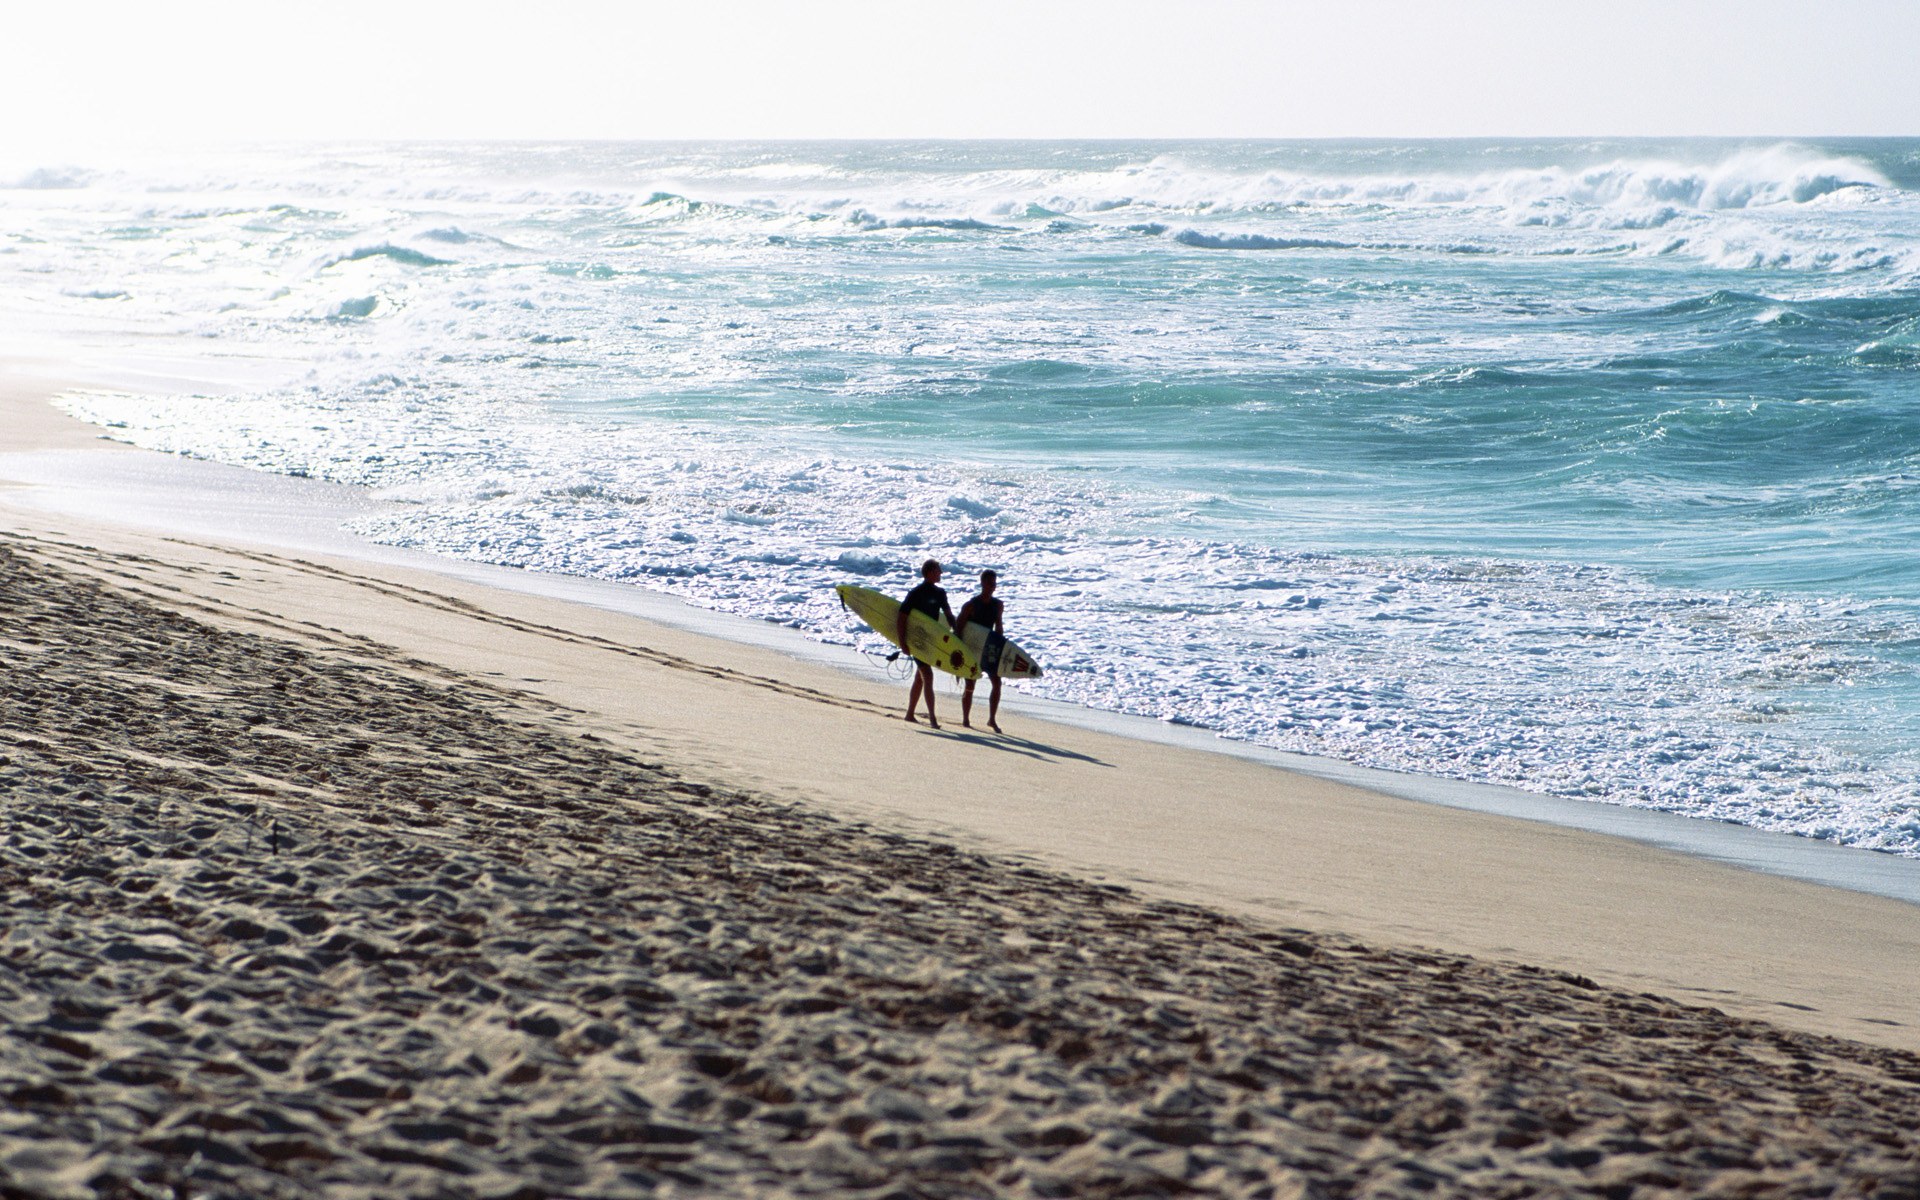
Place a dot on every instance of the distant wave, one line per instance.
(453, 235)
(671, 200)
(1887, 325)
(1638, 193)
(1750, 179)
(1652, 219)
(1476, 376)
(1724, 300)
(1901, 345)
(1258, 241)
(1634, 189)
(1632, 193)
(399, 254)
(964, 224)
(1622, 183)
(858, 563)
(43, 179)
(1654, 192)
(961, 223)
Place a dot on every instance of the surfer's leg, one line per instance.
(913, 696)
(926, 676)
(966, 705)
(993, 704)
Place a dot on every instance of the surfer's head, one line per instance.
(930, 570)
(987, 580)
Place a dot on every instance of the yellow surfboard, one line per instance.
(929, 639)
(932, 640)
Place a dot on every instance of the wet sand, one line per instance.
(324, 881)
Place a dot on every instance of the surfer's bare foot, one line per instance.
(965, 724)
(992, 726)
(911, 720)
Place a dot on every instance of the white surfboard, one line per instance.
(1015, 663)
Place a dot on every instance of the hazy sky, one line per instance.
(75, 73)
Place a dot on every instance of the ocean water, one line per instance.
(1591, 467)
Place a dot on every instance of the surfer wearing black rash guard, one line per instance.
(931, 599)
(984, 609)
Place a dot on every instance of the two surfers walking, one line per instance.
(985, 609)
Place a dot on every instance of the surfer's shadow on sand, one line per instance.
(1025, 747)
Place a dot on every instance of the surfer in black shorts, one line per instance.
(984, 609)
(931, 599)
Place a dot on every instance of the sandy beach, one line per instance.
(330, 877)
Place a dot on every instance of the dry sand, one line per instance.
(332, 879)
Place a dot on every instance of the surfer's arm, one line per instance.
(966, 610)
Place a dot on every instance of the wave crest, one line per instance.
(1751, 179)
(48, 179)
(1258, 241)
(1651, 192)
(399, 254)
(867, 221)
(1900, 345)
(354, 308)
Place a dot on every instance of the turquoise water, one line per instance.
(1589, 466)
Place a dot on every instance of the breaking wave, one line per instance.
(1257, 241)
(50, 179)
(399, 254)
(960, 224)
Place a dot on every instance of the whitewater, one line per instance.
(1590, 467)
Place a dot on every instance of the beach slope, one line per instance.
(332, 879)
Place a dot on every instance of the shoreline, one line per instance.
(336, 878)
(200, 497)
(1191, 824)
